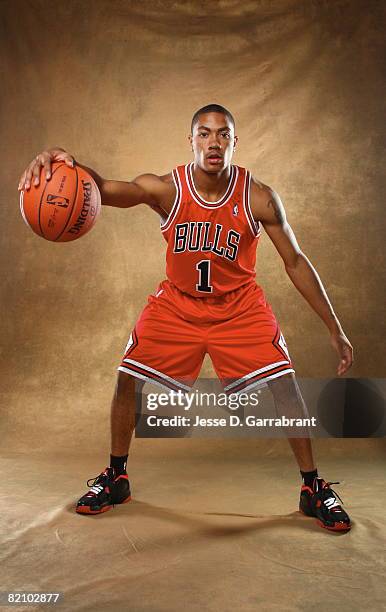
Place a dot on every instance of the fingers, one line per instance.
(31, 176)
(32, 173)
(342, 367)
(36, 171)
(70, 161)
(47, 168)
(64, 156)
(47, 159)
(346, 361)
(28, 176)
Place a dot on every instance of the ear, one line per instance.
(235, 141)
(190, 138)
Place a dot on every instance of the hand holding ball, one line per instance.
(63, 208)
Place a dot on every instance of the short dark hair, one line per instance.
(211, 108)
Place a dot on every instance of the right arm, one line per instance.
(145, 189)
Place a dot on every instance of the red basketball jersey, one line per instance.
(211, 245)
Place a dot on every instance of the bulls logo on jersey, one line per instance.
(194, 236)
(283, 345)
(130, 343)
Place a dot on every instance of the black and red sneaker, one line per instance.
(321, 502)
(107, 489)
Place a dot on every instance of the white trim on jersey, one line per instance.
(176, 204)
(271, 366)
(212, 205)
(172, 381)
(255, 228)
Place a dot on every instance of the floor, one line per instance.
(211, 527)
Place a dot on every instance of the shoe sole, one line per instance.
(335, 527)
(87, 509)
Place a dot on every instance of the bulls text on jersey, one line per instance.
(194, 236)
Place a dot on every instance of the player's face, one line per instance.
(213, 142)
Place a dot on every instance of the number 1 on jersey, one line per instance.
(203, 268)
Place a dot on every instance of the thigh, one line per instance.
(164, 348)
(249, 350)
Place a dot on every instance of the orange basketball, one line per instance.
(63, 208)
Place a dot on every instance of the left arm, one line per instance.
(268, 209)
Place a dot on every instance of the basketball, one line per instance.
(63, 208)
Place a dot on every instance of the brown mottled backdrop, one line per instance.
(213, 524)
(115, 84)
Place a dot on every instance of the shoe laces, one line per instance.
(98, 483)
(330, 502)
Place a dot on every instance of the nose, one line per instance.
(214, 143)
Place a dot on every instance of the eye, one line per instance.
(203, 134)
(225, 135)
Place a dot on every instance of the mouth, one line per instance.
(214, 158)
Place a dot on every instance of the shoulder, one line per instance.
(161, 189)
(167, 178)
(265, 202)
(259, 190)
(158, 186)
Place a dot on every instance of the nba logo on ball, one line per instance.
(57, 200)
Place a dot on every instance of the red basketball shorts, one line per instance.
(238, 330)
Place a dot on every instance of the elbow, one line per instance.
(293, 262)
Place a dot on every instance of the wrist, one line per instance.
(335, 327)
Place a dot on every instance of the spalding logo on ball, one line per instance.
(63, 208)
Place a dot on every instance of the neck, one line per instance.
(211, 184)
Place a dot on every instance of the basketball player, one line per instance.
(211, 216)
